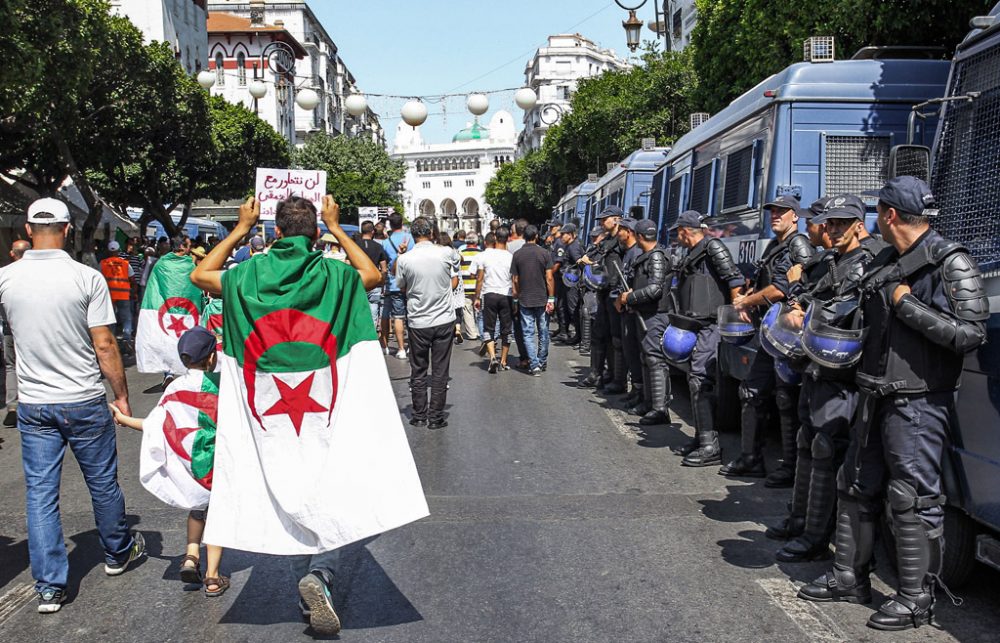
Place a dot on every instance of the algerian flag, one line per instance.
(309, 456)
(211, 318)
(178, 441)
(171, 305)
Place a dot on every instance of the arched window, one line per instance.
(220, 70)
(241, 68)
(418, 166)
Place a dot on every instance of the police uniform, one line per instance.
(705, 279)
(828, 398)
(567, 255)
(558, 249)
(632, 332)
(908, 374)
(588, 299)
(761, 382)
(606, 324)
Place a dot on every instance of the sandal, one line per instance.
(191, 574)
(221, 585)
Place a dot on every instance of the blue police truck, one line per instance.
(573, 204)
(627, 184)
(809, 130)
(964, 169)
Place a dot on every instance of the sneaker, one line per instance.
(401, 353)
(483, 350)
(544, 366)
(459, 339)
(10, 420)
(385, 350)
(504, 367)
(537, 371)
(50, 601)
(137, 551)
(315, 593)
(493, 366)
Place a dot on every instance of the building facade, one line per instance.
(447, 182)
(321, 69)
(241, 51)
(180, 23)
(683, 17)
(553, 72)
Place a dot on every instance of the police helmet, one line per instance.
(780, 335)
(594, 277)
(571, 277)
(732, 327)
(678, 344)
(788, 375)
(830, 336)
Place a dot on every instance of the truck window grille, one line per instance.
(701, 189)
(674, 199)
(736, 191)
(855, 163)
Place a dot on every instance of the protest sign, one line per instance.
(274, 186)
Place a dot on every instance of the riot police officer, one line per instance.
(553, 241)
(771, 285)
(588, 295)
(648, 297)
(609, 254)
(829, 395)
(706, 279)
(631, 324)
(567, 255)
(924, 308)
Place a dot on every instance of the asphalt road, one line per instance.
(552, 519)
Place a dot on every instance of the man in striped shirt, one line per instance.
(471, 320)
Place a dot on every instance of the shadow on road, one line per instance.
(13, 559)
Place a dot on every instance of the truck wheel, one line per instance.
(959, 547)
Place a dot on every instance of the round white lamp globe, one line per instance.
(478, 104)
(356, 104)
(525, 98)
(206, 78)
(307, 99)
(414, 113)
(257, 89)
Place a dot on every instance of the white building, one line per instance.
(180, 23)
(553, 73)
(235, 46)
(447, 182)
(683, 17)
(322, 69)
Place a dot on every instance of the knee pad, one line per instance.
(906, 504)
(750, 396)
(822, 447)
(784, 399)
(803, 441)
(616, 343)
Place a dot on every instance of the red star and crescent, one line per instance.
(295, 402)
(177, 324)
(207, 403)
(279, 327)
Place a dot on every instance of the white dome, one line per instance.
(407, 137)
(502, 127)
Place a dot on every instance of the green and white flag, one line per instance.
(170, 306)
(309, 454)
(178, 441)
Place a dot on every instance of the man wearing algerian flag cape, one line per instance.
(309, 457)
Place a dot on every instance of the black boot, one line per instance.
(708, 452)
(642, 406)
(659, 395)
(686, 448)
(815, 541)
(795, 523)
(855, 538)
(784, 476)
(596, 367)
(585, 321)
(618, 369)
(918, 555)
(750, 464)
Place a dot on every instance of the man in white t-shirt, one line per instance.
(61, 315)
(493, 297)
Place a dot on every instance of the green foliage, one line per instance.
(738, 43)
(359, 171)
(610, 116)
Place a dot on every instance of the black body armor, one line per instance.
(649, 282)
(703, 279)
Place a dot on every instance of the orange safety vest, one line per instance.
(115, 270)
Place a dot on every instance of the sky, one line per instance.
(427, 47)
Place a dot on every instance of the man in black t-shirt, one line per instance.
(534, 288)
(377, 254)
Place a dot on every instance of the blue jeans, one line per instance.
(123, 314)
(324, 563)
(535, 320)
(88, 429)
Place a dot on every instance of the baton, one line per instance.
(621, 275)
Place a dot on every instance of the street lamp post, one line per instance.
(633, 26)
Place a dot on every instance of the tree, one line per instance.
(738, 43)
(521, 189)
(359, 171)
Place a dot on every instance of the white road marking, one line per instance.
(15, 599)
(807, 616)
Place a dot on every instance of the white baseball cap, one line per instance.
(48, 210)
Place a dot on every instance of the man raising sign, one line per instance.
(302, 465)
